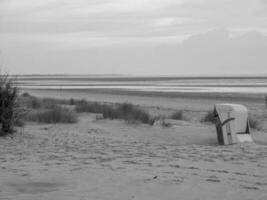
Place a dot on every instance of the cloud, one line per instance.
(172, 21)
(213, 52)
(168, 17)
(149, 32)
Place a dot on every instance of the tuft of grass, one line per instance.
(72, 102)
(32, 102)
(92, 107)
(209, 117)
(178, 115)
(55, 115)
(128, 112)
(165, 124)
(254, 123)
(26, 94)
(124, 111)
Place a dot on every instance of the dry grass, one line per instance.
(254, 122)
(209, 117)
(178, 115)
(55, 115)
(48, 110)
(126, 111)
(91, 107)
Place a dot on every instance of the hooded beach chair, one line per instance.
(232, 124)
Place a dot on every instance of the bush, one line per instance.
(55, 115)
(179, 115)
(124, 111)
(165, 124)
(41, 103)
(72, 102)
(51, 103)
(25, 94)
(128, 112)
(254, 123)
(209, 117)
(9, 107)
(92, 107)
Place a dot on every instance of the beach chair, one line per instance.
(232, 124)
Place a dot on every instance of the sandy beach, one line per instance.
(112, 159)
(133, 100)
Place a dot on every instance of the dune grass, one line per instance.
(48, 110)
(33, 102)
(55, 115)
(126, 111)
(209, 117)
(91, 107)
(10, 110)
(178, 115)
(254, 122)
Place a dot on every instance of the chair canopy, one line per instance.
(236, 111)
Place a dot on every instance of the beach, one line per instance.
(133, 100)
(113, 159)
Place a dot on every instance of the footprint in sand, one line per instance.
(219, 171)
(35, 187)
(249, 187)
(213, 180)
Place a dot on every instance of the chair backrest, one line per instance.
(236, 111)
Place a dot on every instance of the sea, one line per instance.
(170, 84)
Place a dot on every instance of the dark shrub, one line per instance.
(9, 107)
(124, 111)
(35, 103)
(72, 102)
(128, 112)
(92, 107)
(51, 103)
(209, 117)
(25, 94)
(179, 115)
(32, 102)
(54, 115)
(254, 123)
(165, 124)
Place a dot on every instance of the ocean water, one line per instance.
(249, 85)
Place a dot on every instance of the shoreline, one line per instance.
(182, 100)
(257, 97)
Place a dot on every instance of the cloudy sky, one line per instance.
(174, 37)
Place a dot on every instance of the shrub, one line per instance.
(124, 111)
(25, 94)
(92, 107)
(35, 103)
(72, 102)
(41, 103)
(128, 112)
(51, 103)
(254, 123)
(55, 115)
(209, 117)
(179, 115)
(9, 107)
(165, 124)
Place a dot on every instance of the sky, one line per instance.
(151, 37)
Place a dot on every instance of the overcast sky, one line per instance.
(134, 36)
